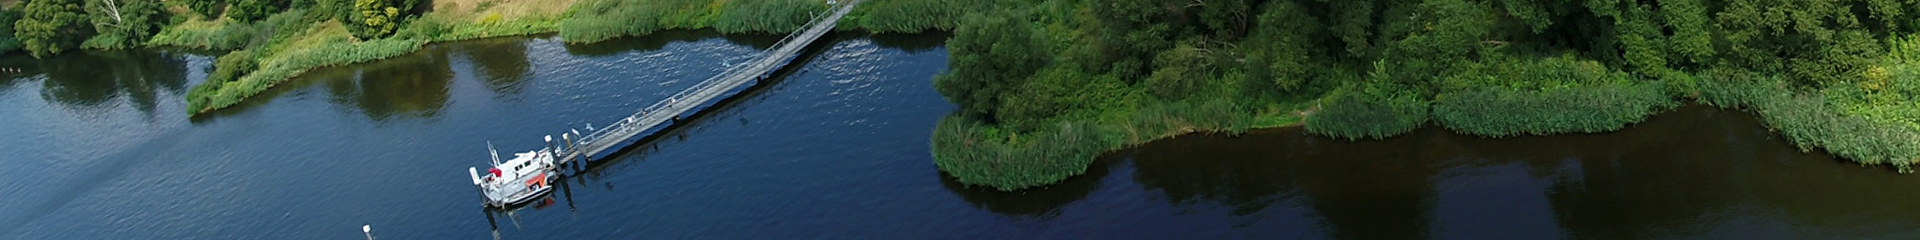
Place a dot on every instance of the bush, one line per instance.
(209, 9)
(232, 66)
(254, 10)
(1379, 111)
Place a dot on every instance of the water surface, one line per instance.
(836, 147)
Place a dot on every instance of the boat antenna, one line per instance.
(496, 154)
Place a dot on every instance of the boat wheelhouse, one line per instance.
(527, 176)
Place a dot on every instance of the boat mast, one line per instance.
(495, 154)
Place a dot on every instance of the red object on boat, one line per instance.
(494, 171)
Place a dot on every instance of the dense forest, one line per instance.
(1044, 86)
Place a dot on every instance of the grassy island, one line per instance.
(263, 43)
(1044, 86)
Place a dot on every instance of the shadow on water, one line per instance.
(913, 42)
(1696, 170)
(1362, 191)
(1037, 203)
(85, 79)
(651, 42)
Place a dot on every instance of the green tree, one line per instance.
(1439, 35)
(379, 18)
(123, 23)
(206, 8)
(375, 18)
(254, 10)
(8, 42)
(991, 55)
(1280, 46)
(51, 26)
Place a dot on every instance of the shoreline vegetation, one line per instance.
(264, 43)
(1045, 86)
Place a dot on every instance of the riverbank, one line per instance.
(1042, 89)
(287, 44)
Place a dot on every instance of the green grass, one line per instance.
(1811, 122)
(1513, 96)
(1373, 113)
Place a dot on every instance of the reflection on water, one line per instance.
(1039, 203)
(414, 85)
(914, 43)
(87, 79)
(1695, 172)
(502, 62)
(652, 42)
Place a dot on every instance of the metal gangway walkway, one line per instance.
(579, 147)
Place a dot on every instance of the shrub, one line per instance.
(254, 10)
(1379, 111)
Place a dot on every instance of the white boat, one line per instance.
(525, 177)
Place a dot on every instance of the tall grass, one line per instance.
(979, 154)
(766, 15)
(595, 20)
(1585, 109)
(1378, 115)
(220, 35)
(991, 155)
(1810, 122)
(910, 15)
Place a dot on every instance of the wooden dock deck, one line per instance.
(612, 136)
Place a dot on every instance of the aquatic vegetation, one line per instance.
(977, 153)
(1811, 122)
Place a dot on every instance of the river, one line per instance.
(98, 146)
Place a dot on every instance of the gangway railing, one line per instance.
(582, 146)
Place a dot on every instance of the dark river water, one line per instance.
(96, 145)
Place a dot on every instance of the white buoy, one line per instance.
(368, 229)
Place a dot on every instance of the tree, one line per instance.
(254, 10)
(379, 18)
(991, 55)
(51, 26)
(206, 8)
(123, 23)
(1281, 44)
(8, 42)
